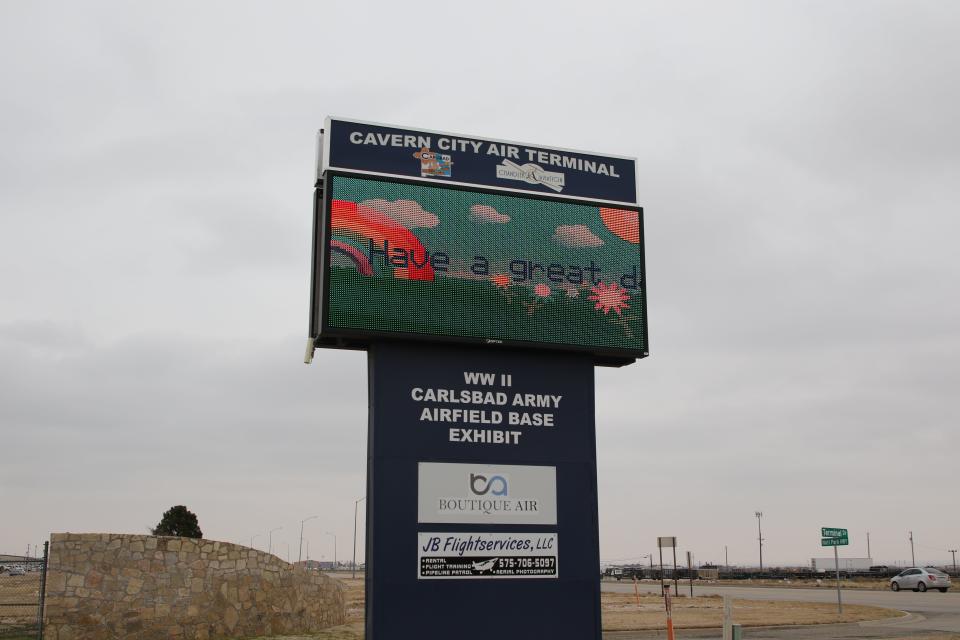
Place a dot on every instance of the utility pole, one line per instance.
(300, 556)
(913, 558)
(954, 553)
(356, 503)
(270, 544)
(334, 548)
(868, 545)
(726, 558)
(759, 515)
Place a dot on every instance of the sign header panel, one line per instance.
(834, 542)
(667, 541)
(833, 532)
(454, 159)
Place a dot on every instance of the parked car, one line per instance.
(920, 579)
(15, 571)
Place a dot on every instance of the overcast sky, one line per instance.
(799, 165)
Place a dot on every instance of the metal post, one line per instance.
(300, 555)
(270, 544)
(759, 515)
(690, 571)
(913, 558)
(954, 553)
(836, 562)
(354, 564)
(726, 558)
(43, 590)
(669, 608)
(676, 581)
(661, 570)
(727, 618)
(868, 546)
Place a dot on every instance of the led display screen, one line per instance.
(415, 261)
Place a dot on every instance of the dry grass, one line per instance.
(621, 613)
(870, 584)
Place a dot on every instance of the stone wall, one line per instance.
(105, 585)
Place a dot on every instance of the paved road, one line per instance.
(931, 612)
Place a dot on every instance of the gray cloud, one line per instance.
(799, 171)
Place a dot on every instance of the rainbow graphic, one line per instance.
(353, 227)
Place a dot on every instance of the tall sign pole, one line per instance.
(670, 542)
(835, 537)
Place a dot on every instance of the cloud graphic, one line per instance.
(483, 213)
(407, 212)
(576, 235)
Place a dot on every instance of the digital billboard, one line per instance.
(400, 258)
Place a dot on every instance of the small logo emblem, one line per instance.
(531, 174)
(480, 485)
(434, 164)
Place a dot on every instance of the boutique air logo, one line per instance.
(433, 164)
(494, 485)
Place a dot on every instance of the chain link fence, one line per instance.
(22, 586)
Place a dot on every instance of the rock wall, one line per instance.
(105, 585)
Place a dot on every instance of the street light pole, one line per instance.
(868, 545)
(759, 515)
(252, 538)
(954, 553)
(270, 545)
(356, 503)
(300, 555)
(913, 558)
(334, 549)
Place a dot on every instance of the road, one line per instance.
(931, 611)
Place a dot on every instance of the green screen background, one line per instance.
(460, 303)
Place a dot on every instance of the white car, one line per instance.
(920, 579)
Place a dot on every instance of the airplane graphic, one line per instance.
(486, 565)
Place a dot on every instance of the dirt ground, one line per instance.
(621, 613)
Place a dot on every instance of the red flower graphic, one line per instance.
(501, 280)
(609, 296)
(542, 290)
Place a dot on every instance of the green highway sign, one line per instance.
(830, 532)
(834, 542)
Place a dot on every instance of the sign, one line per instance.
(486, 494)
(453, 159)
(403, 260)
(834, 542)
(433, 436)
(486, 555)
(830, 532)
(670, 541)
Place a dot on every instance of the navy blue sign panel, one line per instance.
(481, 495)
(466, 160)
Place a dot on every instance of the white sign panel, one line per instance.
(486, 494)
(447, 555)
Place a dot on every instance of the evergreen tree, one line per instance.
(178, 521)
